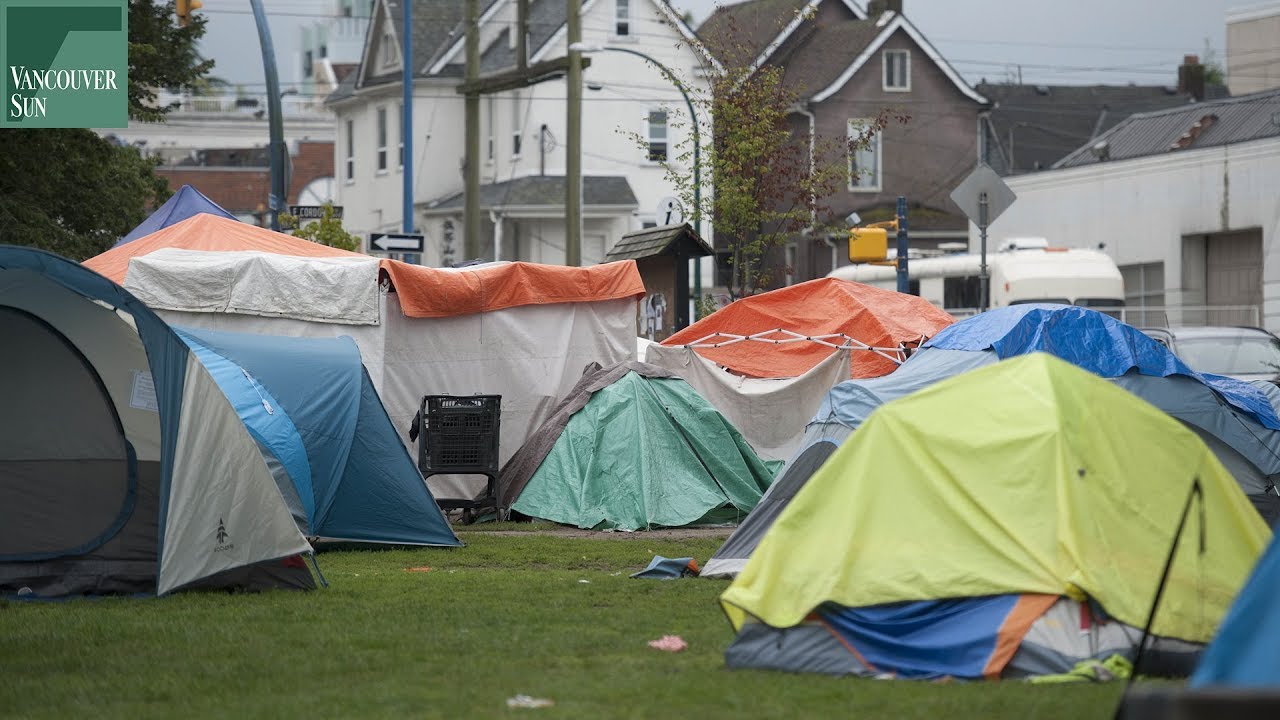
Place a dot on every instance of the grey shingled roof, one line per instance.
(1050, 121)
(737, 34)
(826, 53)
(659, 241)
(1234, 120)
(547, 190)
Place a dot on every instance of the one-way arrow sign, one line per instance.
(395, 242)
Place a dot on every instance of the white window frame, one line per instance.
(875, 181)
(649, 137)
(400, 136)
(887, 64)
(380, 138)
(622, 18)
(350, 159)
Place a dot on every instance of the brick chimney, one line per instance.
(1191, 77)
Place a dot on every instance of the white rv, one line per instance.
(1024, 271)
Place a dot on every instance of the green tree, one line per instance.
(73, 192)
(327, 230)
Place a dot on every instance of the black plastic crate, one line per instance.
(459, 434)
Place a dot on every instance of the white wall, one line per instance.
(1142, 208)
(630, 87)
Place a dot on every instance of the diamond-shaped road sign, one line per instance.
(395, 242)
(983, 180)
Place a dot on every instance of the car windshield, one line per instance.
(1239, 355)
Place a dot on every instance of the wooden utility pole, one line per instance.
(573, 140)
(471, 190)
(521, 76)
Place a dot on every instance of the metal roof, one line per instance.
(1190, 127)
(546, 191)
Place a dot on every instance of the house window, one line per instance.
(516, 126)
(306, 64)
(790, 259)
(897, 70)
(382, 139)
(351, 150)
(656, 132)
(400, 137)
(489, 148)
(324, 51)
(388, 50)
(622, 14)
(864, 157)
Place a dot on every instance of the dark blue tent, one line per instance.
(186, 202)
(310, 404)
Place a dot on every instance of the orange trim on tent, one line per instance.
(1025, 612)
(871, 315)
(432, 292)
(208, 232)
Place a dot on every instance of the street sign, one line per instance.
(670, 211)
(313, 212)
(396, 242)
(968, 195)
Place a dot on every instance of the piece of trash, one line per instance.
(424, 568)
(585, 581)
(664, 568)
(615, 574)
(528, 701)
(669, 643)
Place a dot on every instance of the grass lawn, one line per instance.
(507, 615)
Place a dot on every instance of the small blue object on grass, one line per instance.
(665, 568)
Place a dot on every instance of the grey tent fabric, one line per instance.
(526, 461)
(821, 439)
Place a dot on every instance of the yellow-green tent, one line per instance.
(1030, 476)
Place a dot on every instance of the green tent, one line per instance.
(1029, 476)
(643, 452)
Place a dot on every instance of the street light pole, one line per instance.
(697, 139)
(278, 154)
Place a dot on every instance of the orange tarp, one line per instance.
(208, 232)
(423, 291)
(432, 292)
(879, 318)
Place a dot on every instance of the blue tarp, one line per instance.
(1244, 653)
(1094, 341)
(925, 639)
(186, 202)
(363, 485)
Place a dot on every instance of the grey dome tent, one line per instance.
(123, 467)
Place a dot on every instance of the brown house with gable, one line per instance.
(848, 65)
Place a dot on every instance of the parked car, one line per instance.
(1245, 353)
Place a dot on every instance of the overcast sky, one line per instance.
(1111, 42)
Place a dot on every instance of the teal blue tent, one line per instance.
(334, 451)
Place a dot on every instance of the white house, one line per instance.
(1185, 200)
(522, 131)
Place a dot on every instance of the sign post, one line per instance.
(983, 196)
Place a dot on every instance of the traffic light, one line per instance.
(868, 244)
(184, 9)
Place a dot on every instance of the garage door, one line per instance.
(1234, 273)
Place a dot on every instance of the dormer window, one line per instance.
(897, 70)
(622, 18)
(388, 50)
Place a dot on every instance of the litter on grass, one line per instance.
(669, 643)
(418, 569)
(528, 701)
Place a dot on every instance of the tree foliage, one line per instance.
(327, 230)
(771, 179)
(74, 193)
